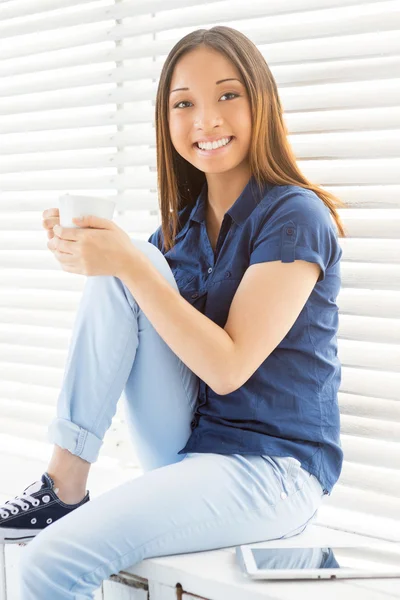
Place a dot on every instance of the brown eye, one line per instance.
(230, 94)
(181, 102)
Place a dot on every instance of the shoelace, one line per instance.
(20, 501)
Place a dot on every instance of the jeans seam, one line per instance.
(136, 309)
(105, 405)
(82, 436)
(291, 468)
(181, 529)
(189, 398)
(157, 538)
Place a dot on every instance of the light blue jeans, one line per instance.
(181, 503)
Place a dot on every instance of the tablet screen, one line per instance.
(361, 558)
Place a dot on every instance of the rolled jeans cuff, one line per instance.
(77, 440)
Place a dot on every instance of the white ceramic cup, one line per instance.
(71, 206)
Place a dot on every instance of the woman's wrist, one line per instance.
(131, 264)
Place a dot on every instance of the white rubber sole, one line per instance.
(17, 536)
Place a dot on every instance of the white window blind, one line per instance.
(78, 84)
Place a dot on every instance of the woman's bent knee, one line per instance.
(157, 258)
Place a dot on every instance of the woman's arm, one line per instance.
(266, 304)
(201, 344)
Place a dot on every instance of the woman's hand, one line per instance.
(97, 247)
(51, 217)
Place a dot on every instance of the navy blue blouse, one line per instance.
(289, 406)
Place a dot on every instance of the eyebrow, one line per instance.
(217, 82)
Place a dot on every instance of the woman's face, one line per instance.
(209, 109)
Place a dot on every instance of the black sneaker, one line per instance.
(22, 518)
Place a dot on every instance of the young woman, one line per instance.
(221, 332)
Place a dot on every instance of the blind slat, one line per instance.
(371, 250)
(370, 479)
(37, 316)
(372, 503)
(369, 303)
(379, 330)
(370, 382)
(359, 522)
(362, 45)
(389, 431)
(146, 200)
(24, 8)
(369, 407)
(367, 451)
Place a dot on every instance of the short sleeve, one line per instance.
(297, 226)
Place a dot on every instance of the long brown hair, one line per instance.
(271, 157)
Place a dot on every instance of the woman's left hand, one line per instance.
(97, 247)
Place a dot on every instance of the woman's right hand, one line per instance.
(51, 217)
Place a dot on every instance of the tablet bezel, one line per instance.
(248, 564)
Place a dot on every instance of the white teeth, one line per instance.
(213, 145)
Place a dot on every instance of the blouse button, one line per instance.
(227, 273)
(289, 231)
(283, 495)
(195, 295)
(210, 270)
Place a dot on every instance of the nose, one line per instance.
(207, 117)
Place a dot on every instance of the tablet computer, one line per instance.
(319, 562)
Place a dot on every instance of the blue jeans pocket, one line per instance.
(288, 472)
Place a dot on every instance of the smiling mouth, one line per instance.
(231, 138)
